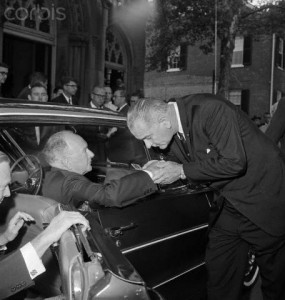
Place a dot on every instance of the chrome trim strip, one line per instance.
(61, 114)
(181, 274)
(164, 239)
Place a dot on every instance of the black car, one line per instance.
(153, 249)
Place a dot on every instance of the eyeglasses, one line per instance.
(4, 73)
(72, 85)
(103, 96)
(116, 96)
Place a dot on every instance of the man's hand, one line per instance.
(165, 172)
(59, 224)
(154, 167)
(63, 221)
(14, 226)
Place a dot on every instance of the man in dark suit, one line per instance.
(18, 270)
(120, 100)
(97, 97)
(68, 155)
(69, 86)
(222, 148)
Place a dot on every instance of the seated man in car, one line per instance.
(18, 270)
(68, 155)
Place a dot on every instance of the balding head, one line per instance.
(68, 151)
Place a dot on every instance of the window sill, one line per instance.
(173, 70)
(237, 66)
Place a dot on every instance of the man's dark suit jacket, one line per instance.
(276, 128)
(124, 147)
(71, 188)
(61, 99)
(14, 275)
(228, 150)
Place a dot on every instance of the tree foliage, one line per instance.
(175, 22)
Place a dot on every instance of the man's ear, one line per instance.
(66, 164)
(164, 121)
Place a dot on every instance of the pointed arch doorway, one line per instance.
(116, 60)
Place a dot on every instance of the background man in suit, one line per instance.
(35, 78)
(120, 101)
(4, 69)
(108, 100)
(97, 96)
(225, 150)
(18, 270)
(69, 86)
(68, 155)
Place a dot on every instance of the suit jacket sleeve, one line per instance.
(276, 128)
(217, 123)
(75, 189)
(14, 275)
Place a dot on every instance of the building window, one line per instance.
(177, 59)
(173, 60)
(280, 53)
(237, 60)
(242, 52)
(33, 15)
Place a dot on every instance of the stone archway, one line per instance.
(117, 58)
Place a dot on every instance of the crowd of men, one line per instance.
(100, 97)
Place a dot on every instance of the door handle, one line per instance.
(117, 231)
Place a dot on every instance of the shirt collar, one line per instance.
(94, 106)
(180, 128)
(66, 97)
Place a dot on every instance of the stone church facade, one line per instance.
(94, 41)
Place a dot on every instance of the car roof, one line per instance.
(23, 111)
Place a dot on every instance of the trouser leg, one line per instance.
(226, 258)
(270, 256)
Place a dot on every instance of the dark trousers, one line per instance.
(226, 257)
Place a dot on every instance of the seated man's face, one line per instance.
(5, 180)
(79, 158)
